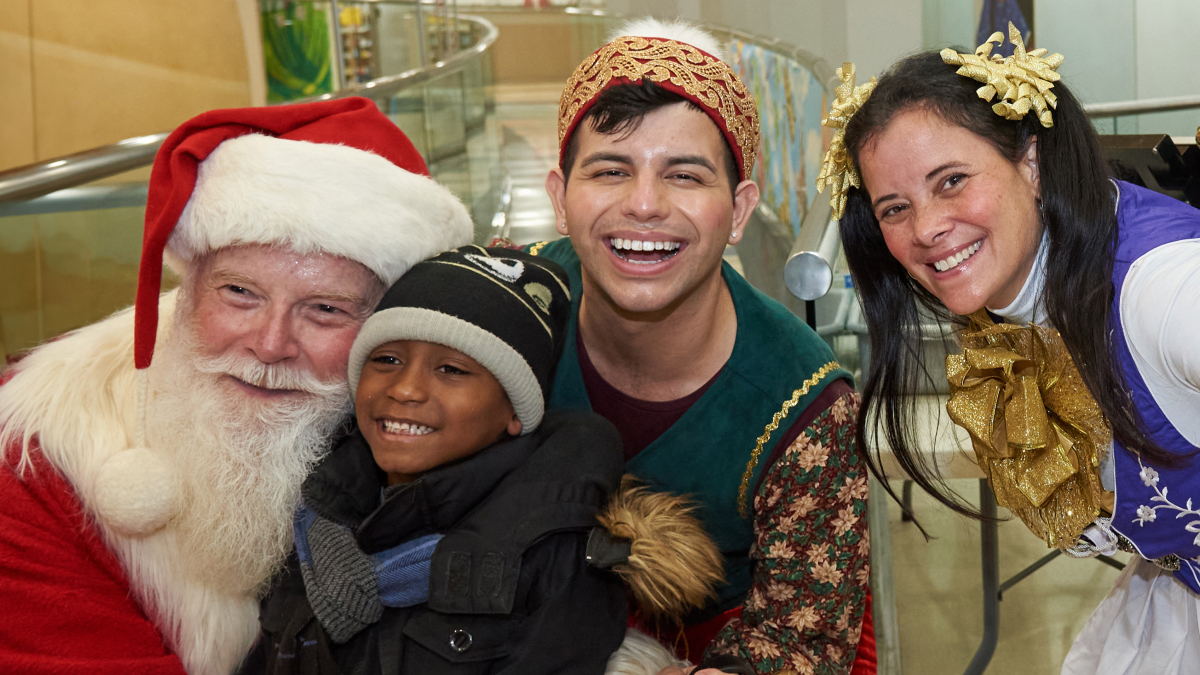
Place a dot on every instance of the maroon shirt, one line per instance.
(640, 422)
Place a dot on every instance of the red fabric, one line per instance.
(65, 605)
(865, 662)
(355, 122)
(668, 84)
(639, 422)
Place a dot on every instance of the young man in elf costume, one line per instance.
(147, 495)
(717, 391)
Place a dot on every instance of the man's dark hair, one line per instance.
(620, 109)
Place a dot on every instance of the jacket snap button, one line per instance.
(460, 641)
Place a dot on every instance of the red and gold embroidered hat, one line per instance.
(680, 58)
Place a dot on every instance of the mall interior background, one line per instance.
(79, 74)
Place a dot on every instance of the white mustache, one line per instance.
(268, 375)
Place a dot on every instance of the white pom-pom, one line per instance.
(676, 30)
(137, 492)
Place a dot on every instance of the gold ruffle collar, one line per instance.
(1036, 430)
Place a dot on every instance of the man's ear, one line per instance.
(1029, 168)
(745, 198)
(514, 426)
(556, 188)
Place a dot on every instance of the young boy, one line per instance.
(448, 533)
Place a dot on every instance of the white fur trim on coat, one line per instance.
(640, 654)
(672, 29)
(317, 197)
(77, 396)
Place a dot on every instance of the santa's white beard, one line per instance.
(241, 459)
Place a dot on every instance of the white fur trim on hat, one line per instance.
(679, 31)
(317, 197)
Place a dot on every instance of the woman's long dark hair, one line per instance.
(1078, 213)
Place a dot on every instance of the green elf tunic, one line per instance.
(716, 450)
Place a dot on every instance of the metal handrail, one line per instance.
(34, 180)
(390, 84)
(1142, 106)
(40, 178)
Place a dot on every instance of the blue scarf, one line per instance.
(347, 588)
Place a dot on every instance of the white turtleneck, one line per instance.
(1160, 314)
(1028, 307)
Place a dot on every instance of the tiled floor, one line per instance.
(939, 593)
(528, 118)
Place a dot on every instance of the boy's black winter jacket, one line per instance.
(510, 588)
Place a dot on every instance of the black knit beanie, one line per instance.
(506, 309)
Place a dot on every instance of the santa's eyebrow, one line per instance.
(220, 277)
(224, 276)
(337, 296)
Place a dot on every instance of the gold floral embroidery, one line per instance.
(709, 80)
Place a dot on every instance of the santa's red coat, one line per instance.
(65, 603)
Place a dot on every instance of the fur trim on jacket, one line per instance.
(77, 397)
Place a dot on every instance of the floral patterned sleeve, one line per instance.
(811, 555)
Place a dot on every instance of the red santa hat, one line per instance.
(333, 177)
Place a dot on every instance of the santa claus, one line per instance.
(146, 494)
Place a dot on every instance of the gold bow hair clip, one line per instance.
(837, 169)
(1023, 80)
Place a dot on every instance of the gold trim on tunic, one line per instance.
(743, 502)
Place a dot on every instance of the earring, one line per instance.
(735, 235)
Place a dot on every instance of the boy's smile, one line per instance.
(421, 405)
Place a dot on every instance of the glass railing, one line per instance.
(71, 227)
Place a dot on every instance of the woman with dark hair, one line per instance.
(1072, 294)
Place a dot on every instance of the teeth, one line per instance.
(957, 259)
(640, 245)
(405, 428)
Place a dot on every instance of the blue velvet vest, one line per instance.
(1157, 508)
